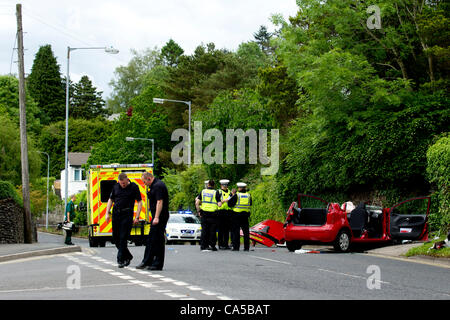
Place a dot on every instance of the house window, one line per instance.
(77, 174)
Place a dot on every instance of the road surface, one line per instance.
(189, 274)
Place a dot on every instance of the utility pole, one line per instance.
(23, 130)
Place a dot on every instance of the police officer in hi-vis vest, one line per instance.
(224, 215)
(241, 202)
(206, 204)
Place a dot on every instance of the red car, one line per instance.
(333, 224)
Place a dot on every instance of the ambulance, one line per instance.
(100, 180)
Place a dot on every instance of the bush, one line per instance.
(8, 191)
(438, 170)
(184, 186)
(266, 203)
(81, 209)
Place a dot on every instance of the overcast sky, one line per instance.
(128, 25)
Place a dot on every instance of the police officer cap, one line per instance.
(241, 185)
(224, 182)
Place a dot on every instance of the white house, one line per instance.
(77, 177)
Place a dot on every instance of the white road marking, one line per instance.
(163, 290)
(272, 260)
(150, 285)
(209, 293)
(176, 295)
(156, 276)
(350, 275)
(137, 282)
(194, 288)
(65, 288)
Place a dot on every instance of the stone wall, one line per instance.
(12, 225)
(55, 216)
(11, 222)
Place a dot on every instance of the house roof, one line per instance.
(78, 158)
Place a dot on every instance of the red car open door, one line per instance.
(408, 219)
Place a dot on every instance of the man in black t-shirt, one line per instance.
(123, 195)
(158, 197)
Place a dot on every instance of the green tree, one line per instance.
(282, 93)
(45, 86)
(238, 70)
(262, 37)
(240, 109)
(83, 135)
(115, 149)
(402, 47)
(86, 101)
(171, 53)
(367, 116)
(129, 80)
(10, 163)
(185, 80)
(9, 104)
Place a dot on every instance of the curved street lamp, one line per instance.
(109, 50)
(153, 146)
(161, 101)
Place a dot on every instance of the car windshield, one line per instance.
(183, 219)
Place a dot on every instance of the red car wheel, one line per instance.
(342, 242)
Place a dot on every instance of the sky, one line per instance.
(127, 25)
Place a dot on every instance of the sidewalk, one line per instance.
(399, 251)
(46, 245)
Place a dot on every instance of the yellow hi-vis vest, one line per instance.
(209, 203)
(243, 202)
(223, 196)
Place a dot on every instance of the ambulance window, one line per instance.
(133, 171)
(105, 189)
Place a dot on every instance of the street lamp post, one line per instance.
(48, 175)
(153, 146)
(110, 50)
(161, 101)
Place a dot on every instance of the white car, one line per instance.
(183, 227)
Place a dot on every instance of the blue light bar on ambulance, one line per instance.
(113, 166)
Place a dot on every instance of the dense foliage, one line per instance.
(438, 169)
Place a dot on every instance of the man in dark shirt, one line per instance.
(123, 196)
(158, 197)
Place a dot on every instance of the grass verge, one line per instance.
(425, 250)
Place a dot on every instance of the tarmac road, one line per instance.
(189, 274)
